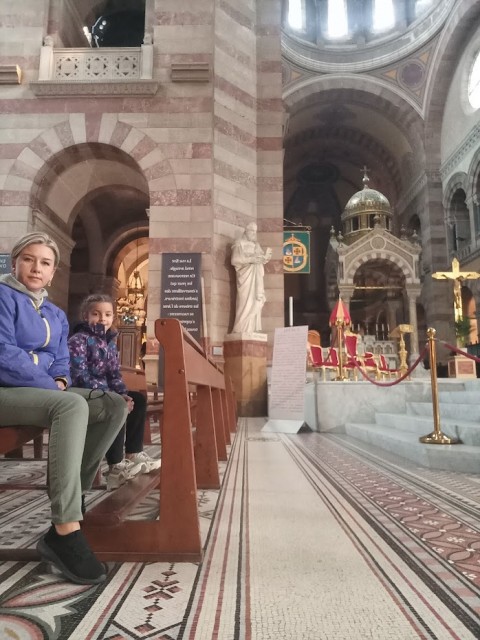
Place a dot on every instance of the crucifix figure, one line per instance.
(458, 277)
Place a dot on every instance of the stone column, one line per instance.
(246, 363)
(470, 202)
(412, 295)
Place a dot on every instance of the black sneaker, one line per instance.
(72, 556)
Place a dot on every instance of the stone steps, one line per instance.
(399, 433)
(458, 457)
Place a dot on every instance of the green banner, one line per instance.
(296, 251)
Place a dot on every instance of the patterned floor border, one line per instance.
(418, 531)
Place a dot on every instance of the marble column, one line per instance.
(412, 296)
(246, 363)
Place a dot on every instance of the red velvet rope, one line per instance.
(470, 356)
(398, 380)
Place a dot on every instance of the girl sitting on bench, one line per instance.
(35, 391)
(94, 365)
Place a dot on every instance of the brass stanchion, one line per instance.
(436, 437)
(339, 324)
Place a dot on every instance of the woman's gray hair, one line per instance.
(36, 237)
(92, 299)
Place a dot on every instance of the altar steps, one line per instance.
(400, 432)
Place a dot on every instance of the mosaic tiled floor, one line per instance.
(312, 537)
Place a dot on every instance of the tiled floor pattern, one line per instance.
(312, 537)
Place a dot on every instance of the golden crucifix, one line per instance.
(458, 277)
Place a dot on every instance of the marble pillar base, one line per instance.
(461, 367)
(246, 363)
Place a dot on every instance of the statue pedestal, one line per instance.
(461, 367)
(246, 363)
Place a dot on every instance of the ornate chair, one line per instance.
(313, 340)
(352, 359)
(366, 361)
(320, 363)
(383, 368)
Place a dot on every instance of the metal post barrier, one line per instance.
(436, 437)
(340, 327)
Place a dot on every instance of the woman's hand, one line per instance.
(61, 385)
(129, 402)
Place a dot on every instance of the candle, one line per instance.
(290, 311)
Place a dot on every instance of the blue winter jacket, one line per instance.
(33, 339)
(94, 360)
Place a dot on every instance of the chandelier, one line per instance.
(135, 288)
(130, 308)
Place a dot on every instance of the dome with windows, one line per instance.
(367, 209)
(336, 34)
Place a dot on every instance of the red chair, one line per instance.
(366, 362)
(352, 360)
(329, 363)
(384, 369)
(315, 355)
(370, 365)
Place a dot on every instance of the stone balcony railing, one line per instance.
(103, 71)
(468, 251)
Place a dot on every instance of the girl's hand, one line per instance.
(61, 385)
(129, 402)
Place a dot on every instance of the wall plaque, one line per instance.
(5, 263)
(181, 295)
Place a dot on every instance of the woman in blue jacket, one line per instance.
(34, 390)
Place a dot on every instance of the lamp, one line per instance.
(130, 308)
(135, 288)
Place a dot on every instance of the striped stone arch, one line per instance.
(459, 180)
(473, 184)
(81, 137)
(386, 256)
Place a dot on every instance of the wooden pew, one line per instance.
(135, 381)
(12, 440)
(175, 536)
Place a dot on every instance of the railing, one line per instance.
(90, 65)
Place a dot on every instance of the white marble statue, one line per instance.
(248, 259)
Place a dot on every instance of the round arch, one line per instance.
(371, 256)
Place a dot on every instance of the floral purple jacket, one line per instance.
(94, 360)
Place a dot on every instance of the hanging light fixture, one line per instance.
(130, 308)
(135, 288)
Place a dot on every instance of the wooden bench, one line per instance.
(175, 536)
(12, 440)
(135, 381)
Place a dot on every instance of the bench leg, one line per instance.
(38, 447)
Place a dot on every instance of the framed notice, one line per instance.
(296, 251)
(181, 294)
(5, 263)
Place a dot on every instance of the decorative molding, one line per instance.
(468, 143)
(94, 88)
(190, 72)
(419, 184)
(10, 74)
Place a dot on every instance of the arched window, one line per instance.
(383, 15)
(296, 14)
(337, 19)
(474, 83)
